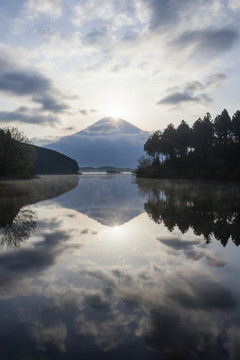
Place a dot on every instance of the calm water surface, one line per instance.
(102, 267)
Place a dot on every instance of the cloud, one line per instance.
(194, 91)
(95, 36)
(31, 83)
(24, 83)
(216, 79)
(193, 86)
(44, 335)
(53, 8)
(87, 112)
(234, 5)
(207, 42)
(28, 116)
(97, 301)
(204, 295)
(178, 244)
(50, 103)
(115, 13)
(178, 98)
(164, 12)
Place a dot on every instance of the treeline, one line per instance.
(208, 149)
(20, 159)
(17, 156)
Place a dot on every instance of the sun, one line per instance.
(115, 110)
(115, 105)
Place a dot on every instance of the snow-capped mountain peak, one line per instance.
(110, 125)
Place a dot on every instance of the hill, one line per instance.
(108, 142)
(52, 162)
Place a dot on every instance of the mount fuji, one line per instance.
(108, 142)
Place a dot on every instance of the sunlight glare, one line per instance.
(116, 228)
(117, 104)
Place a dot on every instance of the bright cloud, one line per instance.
(53, 8)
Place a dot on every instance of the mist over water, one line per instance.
(107, 267)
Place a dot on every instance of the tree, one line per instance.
(16, 154)
(236, 127)
(222, 127)
(169, 141)
(183, 138)
(202, 134)
(152, 145)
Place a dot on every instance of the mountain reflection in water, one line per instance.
(211, 209)
(109, 199)
(82, 289)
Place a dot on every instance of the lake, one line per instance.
(107, 267)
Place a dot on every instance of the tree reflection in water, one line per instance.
(18, 222)
(19, 229)
(211, 209)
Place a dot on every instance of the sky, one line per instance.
(65, 64)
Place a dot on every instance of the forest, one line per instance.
(209, 149)
(20, 159)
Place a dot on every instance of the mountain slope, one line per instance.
(52, 162)
(109, 141)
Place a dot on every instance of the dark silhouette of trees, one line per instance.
(203, 134)
(169, 143)
(19, 229)
(17, 156)
(153, 146)
(183, 138)
(208, 149)
(211, 211)
(222, 127)
(236, 127)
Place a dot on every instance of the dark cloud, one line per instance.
(193, 86)
(178, 244)
(188, 95)
(32, 260)
(95, 36)
(97, 301)
(83, 112)
(49, 103)
(165, 12)
(216, 79)
(178, 98)
(29, 116)
(204, 295)
(207, 42)
(23, 83)
(87, 112)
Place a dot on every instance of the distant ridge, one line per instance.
(108, 142)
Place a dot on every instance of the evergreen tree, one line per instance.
(183, 138)
(169, 141)
(236, 127)
(222, 127)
